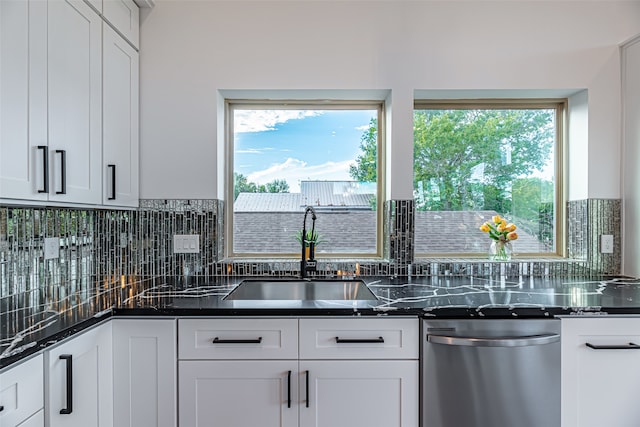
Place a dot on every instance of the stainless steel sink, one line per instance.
(301, 290)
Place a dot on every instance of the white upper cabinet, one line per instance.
(74, 102)
(23, 42)
(51, 111)
(120, 121)
(124, 15)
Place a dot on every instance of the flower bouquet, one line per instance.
(502, 234)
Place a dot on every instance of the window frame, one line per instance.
(560, 105)
(230, 105)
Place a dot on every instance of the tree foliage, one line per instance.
(242, 185)
(469, 159)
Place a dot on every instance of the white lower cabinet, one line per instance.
(224, 382)
(238, 393)
(22, 394)
(600, 372)
(359, 393)
(144, 372)
(80, 380)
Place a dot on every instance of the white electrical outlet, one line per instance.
(186, 244)
(606, 243)
(51, 247)
(124, 240)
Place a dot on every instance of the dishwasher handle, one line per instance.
(510, 341)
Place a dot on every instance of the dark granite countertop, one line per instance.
(26, 329)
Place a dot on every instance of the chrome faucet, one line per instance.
(309, 264)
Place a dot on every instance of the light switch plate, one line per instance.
(51, 247)
(186, 243)
(606, 243)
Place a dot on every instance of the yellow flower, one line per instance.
(511, 227)
(484, 227)
(502, 227)
(512, 235)
(496, 219)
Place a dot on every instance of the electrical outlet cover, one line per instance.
(51, 247)
(606, 243)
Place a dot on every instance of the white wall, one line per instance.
(631, 150)
(190, 50)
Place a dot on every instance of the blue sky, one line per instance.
(298, 144)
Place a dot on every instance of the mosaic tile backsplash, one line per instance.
(113, 252)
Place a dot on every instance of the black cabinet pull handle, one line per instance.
(630, 346)
(217, 340)
(289, 389)
(306, 387)
(45, 168)
(2, 407)
(359, 340)
(63, 171)
(113, 181)
(69, 362)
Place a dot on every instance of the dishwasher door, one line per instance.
(491, 373)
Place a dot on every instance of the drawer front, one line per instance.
(359, 338)
(238, 339)
(21, 392)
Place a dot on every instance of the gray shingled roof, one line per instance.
(348, 231)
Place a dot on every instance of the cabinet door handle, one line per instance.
(289, 389)
(63, 171)
(45, 168)
(113, 181)
(306, 388)
(217, 340)
(69, 362)
(630, 346)
(359, 340)
(2, 407)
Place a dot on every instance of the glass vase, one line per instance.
(500, 251)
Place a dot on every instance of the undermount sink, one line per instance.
(301, 290)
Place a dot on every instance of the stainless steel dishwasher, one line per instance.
(491, 373)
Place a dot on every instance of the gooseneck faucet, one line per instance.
(309, 264)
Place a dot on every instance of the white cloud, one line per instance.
(255, 150)
(295, 170)
(363, 127)
(264, 120)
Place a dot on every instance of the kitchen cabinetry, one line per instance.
(144, 374)
(259, 372)
(21, 394)
(80, 380)
(51, 148)
(600, 371)
(120, 120)
(124, 15)
(23, 26)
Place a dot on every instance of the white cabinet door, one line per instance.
(74, 102)
(599, 385)
(120, 121)
(36, 420)
(124, 15)
(80, 380)
(359, 393)
(239, 394)
(21, 391)
(144, 374)
(23, 41)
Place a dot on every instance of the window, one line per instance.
(473, 160)
(286, 156)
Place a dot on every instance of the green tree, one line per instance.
(473, 156)
(277, 186)
(242, 185)
(468, 159)
(366, 167)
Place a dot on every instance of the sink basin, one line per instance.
(301, 290)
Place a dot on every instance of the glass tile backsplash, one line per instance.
(118, 252)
